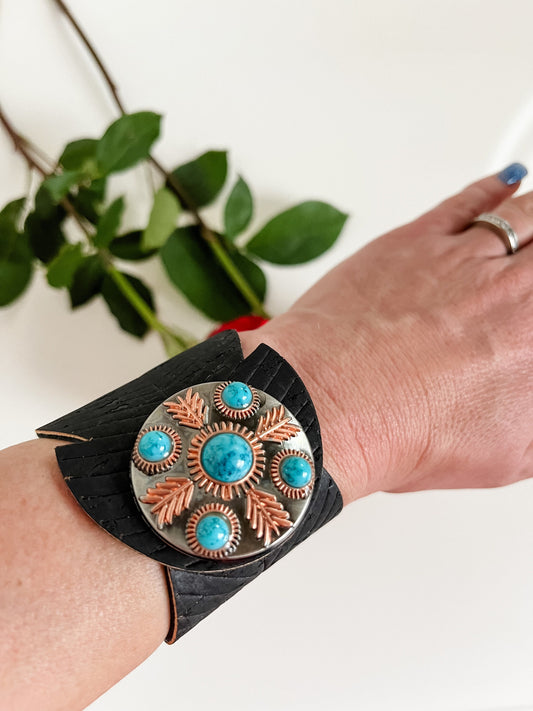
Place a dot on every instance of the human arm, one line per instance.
(78, 595)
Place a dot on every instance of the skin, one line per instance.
(429, 330)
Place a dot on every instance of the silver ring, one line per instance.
(502, 228)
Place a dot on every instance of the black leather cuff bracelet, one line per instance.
(210, 464)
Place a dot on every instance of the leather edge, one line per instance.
(172, 634)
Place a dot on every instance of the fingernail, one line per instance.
(513, 174)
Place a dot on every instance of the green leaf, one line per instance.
(13, 245)
(109, 223)
(299, 234)
(239, 209)
(121, 308)
(45, 236)
(59, 185)
(253, 274)
(128, 246)
(15, 254)
(44, 205)
(11, 213)
(194, 270)
(127, 141)
(62, 268)
(203, 178)
(89, 199)
(43, 226)
(80, 155)
(14, 278)
(162, 221)
(87, 280)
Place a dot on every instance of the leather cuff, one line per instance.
(210, 464)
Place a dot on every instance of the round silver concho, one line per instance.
(222, 470)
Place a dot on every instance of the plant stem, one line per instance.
(144, 311)
(216, 246)
(237, 278)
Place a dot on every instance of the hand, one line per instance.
(417, 351)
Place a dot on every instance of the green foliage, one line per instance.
(43, 226)
(80, 155)
(299, 234)
(88, 200)
(15, 275)
(122, 309)
(87, 280)
(59, 185)
(78, 161)
(109, 223)
(15, 254)
(162, 222)
(203, 178)
(128, 247)
(62, 268)
(192, 267)
(218, 278)
(10, 216)
(127, 142)
(239, 209)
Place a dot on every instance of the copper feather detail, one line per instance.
(275, 426)
(170, 498)
(266, 514)
(190, 410)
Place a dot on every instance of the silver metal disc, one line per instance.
(207, 500)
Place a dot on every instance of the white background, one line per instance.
(419, 602)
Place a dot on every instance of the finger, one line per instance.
(456, 213)
(486, 241)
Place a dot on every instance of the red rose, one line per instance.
(243, 323)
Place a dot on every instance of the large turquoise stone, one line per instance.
(237, 395)
(155, 446)
(227, 457)
(295, 471)
(213, 531)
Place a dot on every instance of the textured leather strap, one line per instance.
(96, 467)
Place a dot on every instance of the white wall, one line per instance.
(382, 108)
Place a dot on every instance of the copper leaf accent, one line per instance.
(190, 410)
(170, 498)
(266, 514)
(275, 426)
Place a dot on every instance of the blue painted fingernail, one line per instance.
(513, 174)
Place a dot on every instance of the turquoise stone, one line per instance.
(155, 446)
(295, 471)
(237, 395)
(227, 457)
(213, 531)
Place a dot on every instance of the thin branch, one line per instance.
(92, 51)
(20, 145)
(113, 88)
(212, 239)
(52, 164)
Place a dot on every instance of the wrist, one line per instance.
(344, 458)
